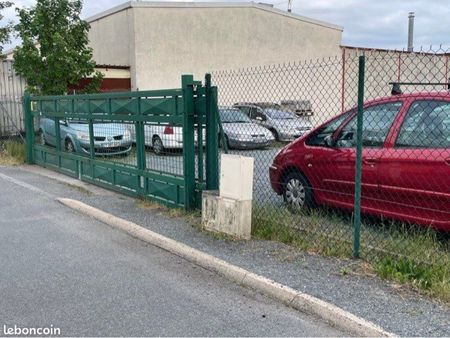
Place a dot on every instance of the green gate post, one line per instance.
(91, 141)
(140, 147)
(29, 127)
(212, 147)
(188, 141)
(358, 165)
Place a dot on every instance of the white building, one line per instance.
(159, 41)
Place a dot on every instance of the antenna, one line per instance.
(290, 5)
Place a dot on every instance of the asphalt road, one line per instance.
(62, 269)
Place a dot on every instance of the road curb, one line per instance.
(293, 298)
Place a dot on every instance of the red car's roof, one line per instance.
(420, 95)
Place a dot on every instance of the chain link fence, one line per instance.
(300, 123)
(11, 115)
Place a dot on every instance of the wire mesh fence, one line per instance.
(299, 121)
(11, 114)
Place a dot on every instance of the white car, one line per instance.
(163, 136)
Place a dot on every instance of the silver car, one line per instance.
(110, 139)
(164, 138)
(284, 125)
(241, 133)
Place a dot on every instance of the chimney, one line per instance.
(411, 32)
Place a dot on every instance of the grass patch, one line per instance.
(410, 255)
(311, 231)
(431, 279)
(12, 153)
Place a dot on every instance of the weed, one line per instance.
(407, 254)
(12, 153)
(344, 272)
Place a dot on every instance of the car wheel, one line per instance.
(158, 146)
(42, 140)
(70, 148)
(297, 192)
(275, 134)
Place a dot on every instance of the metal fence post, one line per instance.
(358, 164)
(212, 147)
(140, 147)
(188, 141)
(29, 127)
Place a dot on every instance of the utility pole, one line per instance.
(290, 6)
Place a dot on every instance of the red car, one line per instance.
(406, 161)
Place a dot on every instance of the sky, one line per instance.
(367, 23)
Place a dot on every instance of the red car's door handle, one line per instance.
(447, 160)
(369, 160)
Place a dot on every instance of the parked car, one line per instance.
(284, 125)
(163, 137)
(405, 161)
(241, 133)
(110, 139)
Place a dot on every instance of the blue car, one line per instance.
(110, 139)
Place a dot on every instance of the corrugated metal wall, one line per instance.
(12, 88)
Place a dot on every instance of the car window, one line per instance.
(317, 137)
(233, 116)
(277, 114)
(426, 125)
(258, 115)
(245, 110)
(377, 120)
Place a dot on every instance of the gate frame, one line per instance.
(199, 109)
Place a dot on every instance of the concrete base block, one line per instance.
(225, 215)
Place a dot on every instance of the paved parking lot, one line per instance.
(173, 163)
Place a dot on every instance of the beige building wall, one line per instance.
(111, 38)
(160, 41)
(386, 66)
(176, 39)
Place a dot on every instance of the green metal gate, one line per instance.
(77, 136)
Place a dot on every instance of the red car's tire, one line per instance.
(297, 192)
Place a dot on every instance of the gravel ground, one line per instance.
(395, 308)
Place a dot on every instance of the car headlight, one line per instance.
(82, 136)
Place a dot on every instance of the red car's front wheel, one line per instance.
(297, 192)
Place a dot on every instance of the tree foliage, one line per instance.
(54, 52)
(5, 31)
